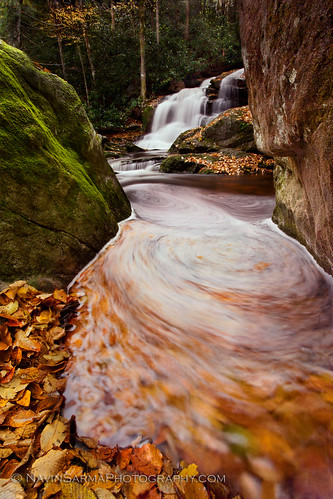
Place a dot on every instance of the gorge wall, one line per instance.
(59, 199)
(287, 52)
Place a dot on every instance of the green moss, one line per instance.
(53, 171)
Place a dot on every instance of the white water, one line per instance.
(228, 93)
(187, 109)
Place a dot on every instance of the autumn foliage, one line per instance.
(41, 453)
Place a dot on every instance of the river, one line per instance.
(206, 329)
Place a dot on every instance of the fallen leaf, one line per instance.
(165, 484)
(147, 459)
(51, 489)
(75, 490)
(53, 435)
(191, 470)
(25, 399)
(11, 490)
(22, 341)
(59, 294)
(195, 489)
(124, 457)
(10, 309)
(52, 463)
(21, 418)
(45, 317)
(10, 390)
(104, 494)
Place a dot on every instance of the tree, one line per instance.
(187, 19)
(143, 76)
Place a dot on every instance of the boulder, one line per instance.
(60, 201)
(231, 129)
(287, 52)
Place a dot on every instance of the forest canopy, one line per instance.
(118, 53)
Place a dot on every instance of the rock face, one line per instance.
(60, 201)
(287, 54)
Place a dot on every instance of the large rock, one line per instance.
(231, 129)
(287, 52)
(60, 201)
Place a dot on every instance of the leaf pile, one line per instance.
(40, 452)
(222, 163)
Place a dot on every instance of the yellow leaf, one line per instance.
(25, 400)
(59, 294)
(75, 490)
(191, 470)
(9, 309)
(53, 435)
(45, 317)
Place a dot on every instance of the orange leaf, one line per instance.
(21, 418)
(124, 457)
(59, 294)
(147, 459)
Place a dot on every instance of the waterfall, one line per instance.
(188, 109)
(228, 93)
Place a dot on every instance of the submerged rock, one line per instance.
(287, 54)
(60, 200)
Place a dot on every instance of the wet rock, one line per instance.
(60, 200)
(290, 96)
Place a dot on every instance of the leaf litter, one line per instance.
(41, 455)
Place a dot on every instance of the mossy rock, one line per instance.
(179, 164)
(231, 129)
(147, 117)
(60, 200)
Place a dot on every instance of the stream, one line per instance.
(207, 330)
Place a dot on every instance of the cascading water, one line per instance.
(228, 93)
(188, 109)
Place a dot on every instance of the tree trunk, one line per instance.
(113, 17)
(157, 22)
(187, 20)
(61, 57)
(142, 50)
(83, 73)
(18, 25)
(87, 44)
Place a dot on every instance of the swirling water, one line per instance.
(206, 329)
